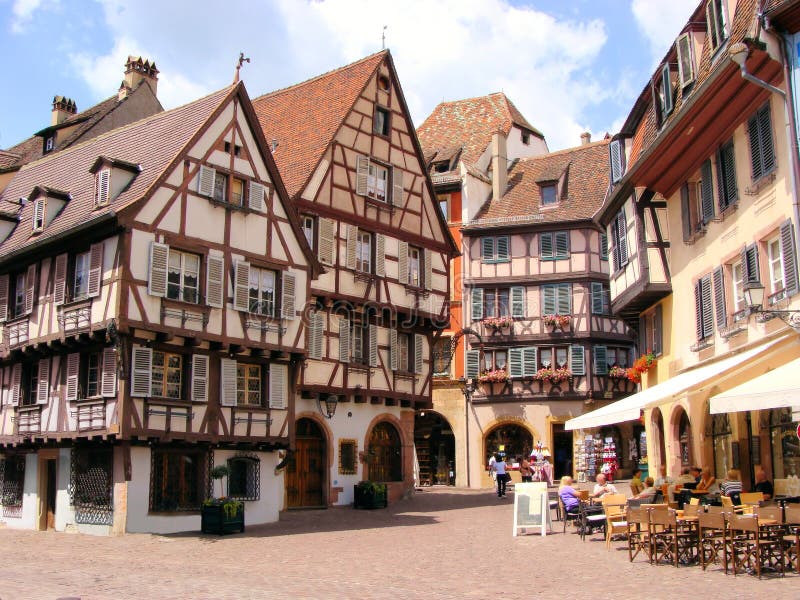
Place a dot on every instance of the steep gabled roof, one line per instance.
(470, 124)
(304, 118)
(584, 182)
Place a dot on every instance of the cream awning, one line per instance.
(629, 409)
(779, 388)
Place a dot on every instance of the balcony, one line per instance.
(16, 332)
(76, 316)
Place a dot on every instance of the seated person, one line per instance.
(636, 482)
(706, 480)
(568, 494)
(602, 487)
(732, 483)
(664, 479)
(648, 494)
(763, 485)
(686, 476)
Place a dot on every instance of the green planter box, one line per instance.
(214, 520)
(377, 497)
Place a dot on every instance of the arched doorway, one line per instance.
(436, 449)
(681, 431)
(515, 440)
(385, 453)
(659, 441)
(305, 473)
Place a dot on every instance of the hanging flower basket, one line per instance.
(496, 376)
(498, 323)
(641, 365)
(560, 321)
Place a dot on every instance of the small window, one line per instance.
(30, 383)
(347, 457)
(526, 138)
(383, 83)
(167, 375)
(364, 252)
(237, 192)
(737, 278)
(414, 266)
(237, 149)
(92, 379)
(402, 351)
(685, 59)
(18, 307)
(359, 338)
(555, 357)
(444, 206)
(495, 303)
(377, 181)
(442, 166)
(248, 384)
(183, 276)
(380, 123)
(776, 270)
(307, 223)
(261, 297)
(244, 478)
(39, 207)
(49, 144)
(495, 360)
(549, 195)
(715, 22)
(220, 183)
(80, 287)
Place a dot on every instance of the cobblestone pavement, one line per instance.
(444, 543)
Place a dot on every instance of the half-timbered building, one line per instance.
(152, 283)
(346, 148)
(703, 213)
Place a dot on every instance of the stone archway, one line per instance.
(681, 437)
(436, 448)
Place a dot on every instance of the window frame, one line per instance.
(219, 192)
(85, 375)
(363, 236)
(544, 199)
(164, 370)
(304, 221)
(415, 266)
(29, 384)
(190, 500)
(444, 199)
(715, 18)
(375, 167)
(404, 346)
(85, 259)
(243, 393)
(773, 261)
(496, 294)
(182, 287)
(386, 121)
(18, 281)
(442, 357)
(495, 256)
(553, 352)
(254, 305)
(491, 362)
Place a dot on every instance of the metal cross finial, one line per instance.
(383, 38)
(239, 64)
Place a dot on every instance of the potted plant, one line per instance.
(221, 515)
(370, 494)
(641, 365)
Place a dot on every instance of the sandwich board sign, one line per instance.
(532, 507)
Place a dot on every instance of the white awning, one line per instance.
(629, 409)
(779, 388)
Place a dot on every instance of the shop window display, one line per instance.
(784, 444)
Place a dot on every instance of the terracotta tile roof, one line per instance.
(470, 124)
(152, 143)
(304, 118)
(8, 159)
(586, 171)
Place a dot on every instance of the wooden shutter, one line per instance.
(530, 363)
(393, 349)
(255, 199)
(215, 281)
(615, 158)
(344, 340)
(577, 359)
(686, 213)
(95, 269)
(476, 298)
(564, 302)
(750, 268)
(658, 328)
(546, 245)
(397, 187)
(362, 173)
(427, 265)
(205, 183)
(108, 385)
(73, 370)
(199, 378)
(726, 171)
(502, 248)
(30, 288)
(380, 255)
(597, 298)
(402, 262)
(603, 246)
(517, 301)
(762, 152)
(103, 185)
(16, 383)
(789, 254)
(60, 283)
(241, 286)
(373, 345)
(666, 88)
(600, 359)
(288, 290)
(278, 386)
(719, 298)
(227, 382)
(419, 345)
(159, 259)
(698, 310)
(562, 244)
(473, 364)
(685, 62)
(141, 372)
(622, 244)
(708, 311)
(487, 249)
(706, 192)
(352, 235)
(43, 385)
(548, 299)
(38, 214)
(326, 240)
(316, 326)
(515, 362)
(4, 298)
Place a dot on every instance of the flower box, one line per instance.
(498, 323)
(222, 517)
(618, 373)
(496, 376)
(369, 495)
(560, 321)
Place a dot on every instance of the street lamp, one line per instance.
(754, 298)
(468, 388)
(330, 403)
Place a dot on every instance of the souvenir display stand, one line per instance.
(610, 463)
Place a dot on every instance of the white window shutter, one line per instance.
(288, 293)
(428, 269)
(577, 360)
(352, 234)
(215, 281)
(60, 283)
(73, 369)
(199, 378)
(316, 334)
(344, 340)
(141, 373)
(473, 364)
(362, 172)
(515, 362)
(3, 298)
(227, 382)
(419, 345)
(614, 149)
(517, 301)
(790, 275)
(278, 386)
(159, 259)
(241, 286)
(380, 255)
(95, 269)
(530, 364)
(16, 383)
(393, 358)
(205, 183)
(402, 263)
(103, 184)
(326, 241)
(30, 288)
(38, 214)
(43, 387)
(397, 186)
(255, 199)
(108, 387)
(373, 345)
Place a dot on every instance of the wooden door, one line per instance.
(50, 494)
(305, 476)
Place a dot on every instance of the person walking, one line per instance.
(499, 468)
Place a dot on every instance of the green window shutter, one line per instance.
(477, 304)
(517, 301)
(562, 244)
(503, 253)
(545, 245)
(600, 360)
(515, 362)
(597, 298)
(530, 364)
(577, 360)
(686, 213)
(548, 299)
(473, 364)
(603, 246)
(564, 301)
(487, 249)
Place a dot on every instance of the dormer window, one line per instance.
(549, 193)
(106, 170)
(380, 123)
(442, 166)
(39, 206)
(102, 185)
(526, 138)
(715, 22)
(665, 93)
(617, 160)
(49, 143)
(685, 60)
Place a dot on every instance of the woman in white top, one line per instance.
(499, 467)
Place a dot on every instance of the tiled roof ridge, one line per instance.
(564, 151)
(321, 76)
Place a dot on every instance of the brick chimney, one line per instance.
(63, 108)
(586, 138)
(136, 71)
(499, 166)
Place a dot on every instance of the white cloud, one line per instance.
(661, 21)
(23, 11)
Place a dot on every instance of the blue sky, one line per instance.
(569, 65)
